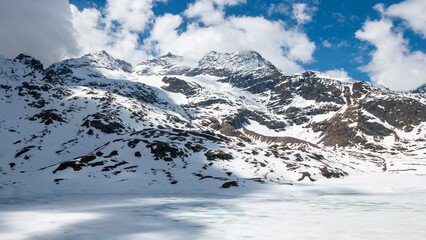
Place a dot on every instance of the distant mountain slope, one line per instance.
(421, 89)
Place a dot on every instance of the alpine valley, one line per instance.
(233, 120)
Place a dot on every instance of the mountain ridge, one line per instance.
(97, 120)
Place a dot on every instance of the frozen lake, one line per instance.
(276, 213)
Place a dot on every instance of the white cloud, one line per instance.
(392, 65)
(117, 30)
(206, 11)
(327, 44)
(229, 2)
(343, 43)
(132, 15)
(85, 23)
(337, 73)
(380, 8)
(283, 47)
(339, 17)
(210, 12)
(280, 8)
(413, 12)
(301, 13)
(297, 10)
(40, 28)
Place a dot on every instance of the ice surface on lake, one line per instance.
(287, 212)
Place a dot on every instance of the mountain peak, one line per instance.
(244, 63)
(249, 55)
(100, 55)
(168, 58)
(320, 75)
(169, 55)
(29, 61)
(100, 59)
(103, 59)
(169, 64)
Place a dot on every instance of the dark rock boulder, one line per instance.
(177, 85)
(164, 151)
(53, 78)
(48, 117)
(76, 164)
(360, 88)
(230, 184)
(219, 154)
(105, 123)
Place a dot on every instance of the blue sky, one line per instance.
(382, 41)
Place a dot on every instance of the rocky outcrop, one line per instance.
(398, 112)
(177, 85)
(29, 61)
(104, 123)
(278, 140)
(48, 117)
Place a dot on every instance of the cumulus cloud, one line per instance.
(302, 13)
(41, 28)
(411, 11)
(116, 29)
(299, 11)
(280, 8)
(327, 44)
(210, 12)
(87, 32)
(285, 47)
(131, 15)
(393, 64)
(337, 73)
(206, 11)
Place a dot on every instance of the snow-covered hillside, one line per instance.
(95, 123)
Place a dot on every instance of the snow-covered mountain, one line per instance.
(421, 89)
(241, 64)
(165, 65)
(95, 123)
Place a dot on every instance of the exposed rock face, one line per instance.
(104, 123)
(278, 140)
(401, 113)
(29, 61)
(76, 164)
(214, 155)
(47, 117)
(177, 85)
(162, 150)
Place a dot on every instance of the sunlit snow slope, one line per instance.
(96, 123)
